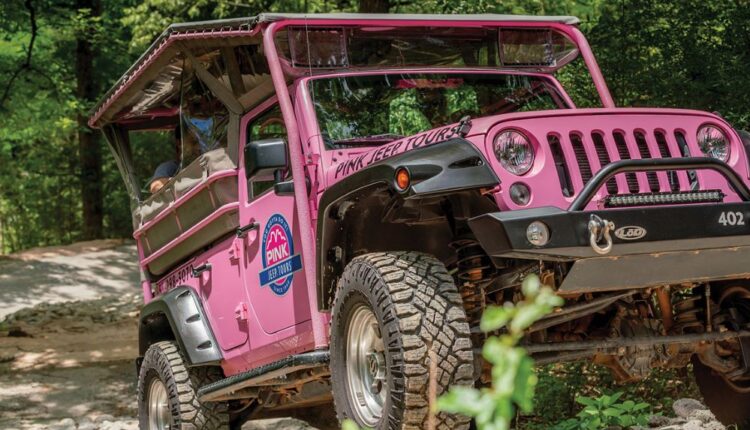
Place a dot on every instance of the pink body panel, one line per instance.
(543, 178)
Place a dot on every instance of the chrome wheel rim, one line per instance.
(159, 416)
(365, 367)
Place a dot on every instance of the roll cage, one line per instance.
(147, 82)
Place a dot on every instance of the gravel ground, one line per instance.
(82, 271)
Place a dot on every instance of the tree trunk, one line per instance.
(89, 149)
(374, 6)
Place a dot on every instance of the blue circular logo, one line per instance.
(279, 260)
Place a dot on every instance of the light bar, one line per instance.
(651, 199)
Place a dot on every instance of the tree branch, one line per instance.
(27, 63)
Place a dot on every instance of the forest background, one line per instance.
(59, 184)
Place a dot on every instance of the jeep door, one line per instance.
(273, 267)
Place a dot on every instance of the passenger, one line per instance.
(168, 169)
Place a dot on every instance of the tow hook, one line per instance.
(599, 230)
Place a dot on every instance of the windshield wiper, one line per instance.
(369, 140)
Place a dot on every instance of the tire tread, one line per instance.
(421, 309)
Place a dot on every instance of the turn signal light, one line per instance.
(403, 180)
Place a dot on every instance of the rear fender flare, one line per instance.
(187, 320)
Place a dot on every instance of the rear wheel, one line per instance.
(167, 392)
(390, 310)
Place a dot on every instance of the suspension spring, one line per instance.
(688, 315)
(473, 271)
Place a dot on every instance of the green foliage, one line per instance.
(561, 384)
(350, 425)
(605, 411)
(666, 53)
(513, 377)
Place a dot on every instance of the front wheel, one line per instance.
(728, 404)
(390, 311)
(167, 392)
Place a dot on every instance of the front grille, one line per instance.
(587, 153)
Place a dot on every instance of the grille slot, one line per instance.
(661, 142)
(581, 158)
(563, 173)
(685, 152)
(603, 156)
(653, 180)
(622, 150)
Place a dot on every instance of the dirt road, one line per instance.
(68, 339)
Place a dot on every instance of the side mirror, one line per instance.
(264, 157)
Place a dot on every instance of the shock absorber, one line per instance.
(473, 271)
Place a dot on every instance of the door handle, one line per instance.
(242, 231)
(200, 269)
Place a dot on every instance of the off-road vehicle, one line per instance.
(349, 192)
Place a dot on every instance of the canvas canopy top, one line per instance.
(155, 76)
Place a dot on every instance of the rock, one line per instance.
(699, 425)
(110, 425)
(102, 418)
(18, 332)
(703, 415)
(658, 421)
(64, 424)
(277, 424)
(87, 425)
(684, 407)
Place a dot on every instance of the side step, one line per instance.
(219, 389)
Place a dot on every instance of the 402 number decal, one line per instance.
(731, 218)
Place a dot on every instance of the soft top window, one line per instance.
(356, 47)
(389, 47)
(376, 109)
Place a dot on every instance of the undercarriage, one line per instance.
(632, 331)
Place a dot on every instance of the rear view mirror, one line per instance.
(264, 157)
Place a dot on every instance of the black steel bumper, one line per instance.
(680, 243)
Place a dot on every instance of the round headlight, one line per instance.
(713, 143)
(514, 151)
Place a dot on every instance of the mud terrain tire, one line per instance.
(416, 307)
(164, 362)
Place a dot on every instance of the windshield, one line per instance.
(376, 109)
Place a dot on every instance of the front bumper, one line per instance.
(677, 244)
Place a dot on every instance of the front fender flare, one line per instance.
(442, 168)
(188, 322)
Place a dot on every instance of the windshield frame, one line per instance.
(310, 116)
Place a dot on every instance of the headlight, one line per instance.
(514, 151)
(713, 143)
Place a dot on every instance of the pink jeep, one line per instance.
(342, 195)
